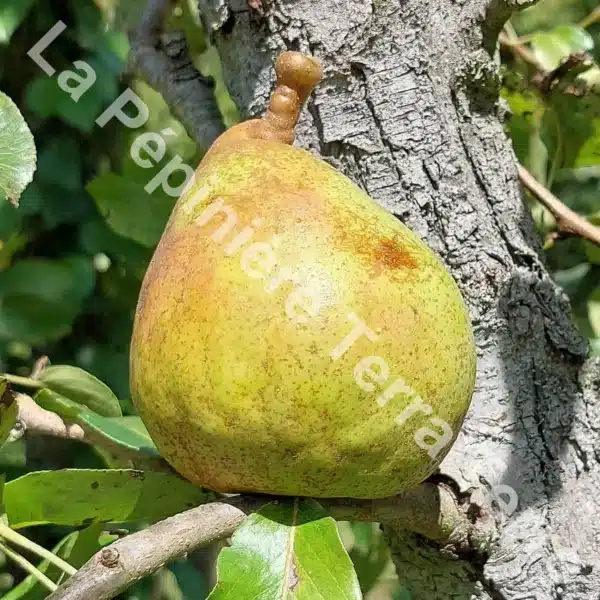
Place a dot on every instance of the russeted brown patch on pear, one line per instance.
(292, 337)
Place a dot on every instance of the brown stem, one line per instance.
(567, 220)
(35, 420)
(129, 559)
(590, 19)
(297, 75)
(40, 364)
(520, 51)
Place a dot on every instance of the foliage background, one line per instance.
(73, 255)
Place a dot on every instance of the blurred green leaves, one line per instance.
(39, 299)
(12, 13)
(550, 47)
(71, 264)
(129, 210)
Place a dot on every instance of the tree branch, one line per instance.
(129, 559)
(521, 51)
(567, 220)
(34, 419)
(432, 509)
(163, 59)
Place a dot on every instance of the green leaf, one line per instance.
(370, 554)
(33, 320)
(83, 496)
(288, 550)
(65, 281)
(8, 411)
(49, 400)
(96, 237)
(127, 432)
(17, 151)
(88, 22)
(592, 252)
(550, 47)
(191, 582)
(81, 387)
(12, 14)
(523, 125)
(39, 299)
(12, 456)
(129, 210)
(594, 311)
(76, 548)
(3, 518)
(46, 98)
(578, 118)
(54, 203)
(60, 164)
(10, 218)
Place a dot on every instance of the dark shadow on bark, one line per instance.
(452, 577)
(541, 341)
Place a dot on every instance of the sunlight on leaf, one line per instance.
(288, 550)
(550, 47)
(84, 496)
(17, 151)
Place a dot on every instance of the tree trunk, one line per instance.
(409, 110)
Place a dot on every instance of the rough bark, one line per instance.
(409, 111)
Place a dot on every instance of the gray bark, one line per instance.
(408, 109)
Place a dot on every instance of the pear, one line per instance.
(291, 336)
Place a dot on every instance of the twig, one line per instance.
(164, 60)
(570, 65)
(546, 80)
(29, 382)
(37, 420)
(17, 539)
(590, 19)
(433, 510)
(28, 567)
(567, 220)
(127, 560)
(40, 364)
(521, 51)
(586, 22)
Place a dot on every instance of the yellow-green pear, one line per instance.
(291, 336)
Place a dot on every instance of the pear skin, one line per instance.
(291, 336)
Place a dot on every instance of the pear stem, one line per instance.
(297, 75)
